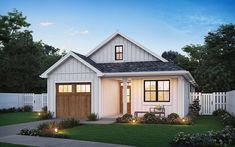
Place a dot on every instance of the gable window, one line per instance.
(119, 52)
(156, 91)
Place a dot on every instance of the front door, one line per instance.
(128, 96)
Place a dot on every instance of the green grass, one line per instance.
(11, 145)
(17, 117)
(142, 134)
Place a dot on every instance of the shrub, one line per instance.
(48, 129)
(46, 115)
(173, 116)
(44, 109)
(30, 132)
(28, 108)
(68, 123)
(225, 137)
(20, 109)
(219, 112)
(150, 118)
(8, 110)
(92, 117)
(125, 118)
(195, 107)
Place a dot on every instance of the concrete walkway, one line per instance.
(101, 121)
(53, 142)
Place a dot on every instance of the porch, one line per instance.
(120, 95)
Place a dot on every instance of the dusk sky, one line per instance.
(158, 25)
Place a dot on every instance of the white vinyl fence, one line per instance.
(213, 101)
(37, 101)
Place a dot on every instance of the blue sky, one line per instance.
(158, 25)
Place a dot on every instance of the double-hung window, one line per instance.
(156, 91)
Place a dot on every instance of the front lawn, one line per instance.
(11, 145)
(142, 134)
(17, 117)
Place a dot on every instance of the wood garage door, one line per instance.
(73, 100)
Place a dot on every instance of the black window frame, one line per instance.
(156, 84)
(118, 53)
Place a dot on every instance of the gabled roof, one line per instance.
(86, 61)
(131, 40)
(124, 68)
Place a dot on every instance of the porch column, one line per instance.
(124, 89)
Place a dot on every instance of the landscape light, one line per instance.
(56, 130)
(133, 121)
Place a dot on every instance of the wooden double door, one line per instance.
(128, 96)
(73, 100)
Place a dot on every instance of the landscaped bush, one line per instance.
(225, 137)
(92, 117)
(125, 118)
(10, 110)
(173, 116)
(28, 108)
(225, 117)
(68, 123)
(46, 115)
(219, 112)
(48, 129)
(150, 118)
(44, 109)
(30, 132)
(193, 110)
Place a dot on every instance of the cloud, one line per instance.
(46, 24)
(84, 32)
(73, 32)
(205, 20)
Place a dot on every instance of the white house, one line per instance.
(119, 76)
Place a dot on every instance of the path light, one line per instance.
(133, 121)
(39, 114)
(56, 130)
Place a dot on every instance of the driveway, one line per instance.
(53, 142)
(8, 135)
(15, 129)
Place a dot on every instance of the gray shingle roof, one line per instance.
(132, 66)
(138, 66)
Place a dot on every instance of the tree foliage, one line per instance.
(212, 64)
(22, 60)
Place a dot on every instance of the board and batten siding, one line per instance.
(175, 105)
(72, 71)
(131, 52)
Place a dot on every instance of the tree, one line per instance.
(21, 59)
(171, 56)
(11, 24)
(212, 64)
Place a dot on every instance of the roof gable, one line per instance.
(113, 36)
(77, 56)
